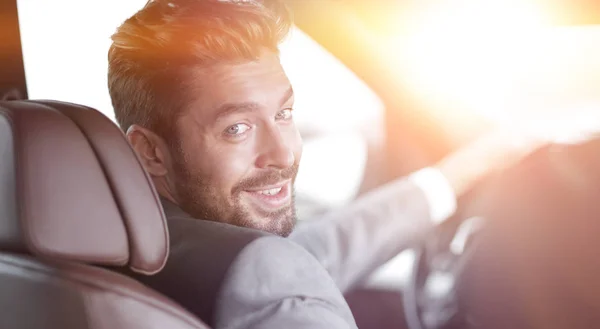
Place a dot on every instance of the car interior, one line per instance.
(391, 87)
(107, 214)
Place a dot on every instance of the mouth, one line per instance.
(271, 198)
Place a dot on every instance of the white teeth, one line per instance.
(272, 191)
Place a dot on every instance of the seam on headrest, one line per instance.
(156, 201)
(116, 260)
(8, 115)
(119, 206)
(164, 218)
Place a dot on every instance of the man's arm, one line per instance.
(354, 241)
(274, 283)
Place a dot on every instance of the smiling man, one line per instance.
(237, 157)
(216, 128)
(198, 88)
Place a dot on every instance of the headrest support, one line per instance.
(71, 188)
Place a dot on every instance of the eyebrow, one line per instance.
(230, 108)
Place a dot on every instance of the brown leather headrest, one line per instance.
(71, 188)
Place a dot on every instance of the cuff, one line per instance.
(438, 192)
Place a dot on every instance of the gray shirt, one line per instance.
(234, 278)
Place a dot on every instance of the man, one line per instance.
(198, 88)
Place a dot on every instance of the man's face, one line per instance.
(237, 147)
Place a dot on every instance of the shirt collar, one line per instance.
(171, 209)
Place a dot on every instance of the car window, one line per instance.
(65, 45)
(504, 60)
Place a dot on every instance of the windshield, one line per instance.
(503, 60)
(471, 62)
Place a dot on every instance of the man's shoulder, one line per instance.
(201, 254)
(196, 241)
(271, 259)
(255, 279)
(229, 276)
(188, 230)
(275, 281)
(230, 251)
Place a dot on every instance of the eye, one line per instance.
(237, 129)
(284, 115)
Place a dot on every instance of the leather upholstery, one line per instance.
(66, 295)
(72, 195)
(72, 189)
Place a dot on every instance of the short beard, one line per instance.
(196, 198)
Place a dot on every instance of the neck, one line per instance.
(163, 189)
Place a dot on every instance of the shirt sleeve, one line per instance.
(439, 193)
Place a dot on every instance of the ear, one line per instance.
(151, 150)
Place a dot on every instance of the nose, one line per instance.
(275, 150)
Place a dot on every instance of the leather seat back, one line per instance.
(73, 195)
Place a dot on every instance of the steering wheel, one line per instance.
(430, 296)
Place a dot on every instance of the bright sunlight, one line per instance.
(503, 61)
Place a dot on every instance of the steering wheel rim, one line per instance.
(410, 294)
(424, 300)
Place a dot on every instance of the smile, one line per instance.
(271, 197)
(272, 191)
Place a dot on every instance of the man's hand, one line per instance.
(505, 147)
(493, 152)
